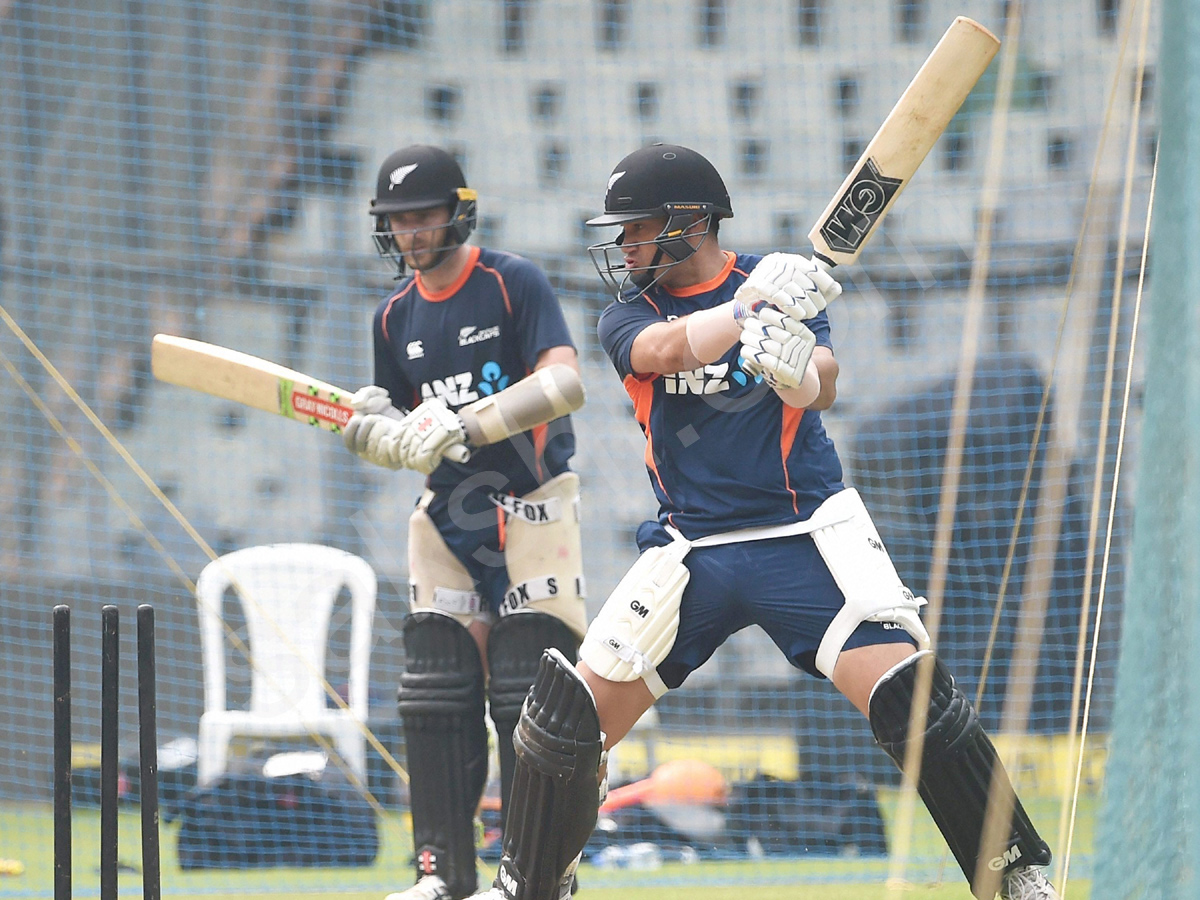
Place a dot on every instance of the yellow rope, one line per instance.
(952, 471)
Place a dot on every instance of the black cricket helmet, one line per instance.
(662, 180)
(421, 177)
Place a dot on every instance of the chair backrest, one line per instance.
(287, 593)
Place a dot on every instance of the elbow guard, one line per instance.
(549, 393)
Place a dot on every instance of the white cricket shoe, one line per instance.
(1027, 883)
(430, 887)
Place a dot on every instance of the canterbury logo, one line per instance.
(398, 175)
(612, 179)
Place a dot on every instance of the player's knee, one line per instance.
(950, 714)
(443, 669)
(515, 646)
(619, 704)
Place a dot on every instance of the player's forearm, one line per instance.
(662, 349)
(551, 391)
(827, 371)
(807, 393)
(711, 332)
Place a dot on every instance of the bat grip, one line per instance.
(824, 263)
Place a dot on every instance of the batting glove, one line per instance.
(373, 430)
(776, 346)
(429, 433)
(789, 282)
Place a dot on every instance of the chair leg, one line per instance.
(352, 748)
(212, 752)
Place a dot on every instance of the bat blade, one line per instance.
(249, 380)
(903, 140)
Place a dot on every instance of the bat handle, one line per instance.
(458, 453)
(824, 263)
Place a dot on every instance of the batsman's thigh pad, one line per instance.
(441, 703)
(543, 552)
(556, 793)
(957, 766)
(436, 578)
(859, 563)
(515, 646)
(637, 626)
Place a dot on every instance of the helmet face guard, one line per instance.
(463, 216)
(672, 248)
(662, 180)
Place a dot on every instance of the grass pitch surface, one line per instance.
(27, 835)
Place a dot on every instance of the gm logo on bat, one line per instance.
(859, 208)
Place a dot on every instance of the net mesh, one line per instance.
(202, 168)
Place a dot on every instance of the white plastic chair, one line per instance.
(288, 592)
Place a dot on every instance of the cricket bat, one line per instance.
(250, 381)
(262, 384)
(902, 141)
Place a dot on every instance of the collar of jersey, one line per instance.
(448, 292)
(705, 286)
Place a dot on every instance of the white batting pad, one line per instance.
(636, 628)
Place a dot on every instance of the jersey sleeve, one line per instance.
(537, 314)
(388, 374)
(619, 325)
(819, 326)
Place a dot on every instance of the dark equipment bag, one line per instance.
(797, 817)
(247, 821)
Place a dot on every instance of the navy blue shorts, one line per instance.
(781, 585)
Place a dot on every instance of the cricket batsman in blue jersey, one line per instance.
(475, 372)
(728, 359)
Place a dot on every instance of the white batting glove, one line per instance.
(789, 282)
(373, 431)
(776, 346)
(429, 433)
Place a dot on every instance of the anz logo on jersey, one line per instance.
(454, 390)
(457, 390)
(710, 379)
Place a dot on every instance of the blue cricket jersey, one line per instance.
(722, 450)
(475, 338)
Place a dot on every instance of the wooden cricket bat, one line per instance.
(250, 381)
(902, 141)
(262, 384)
